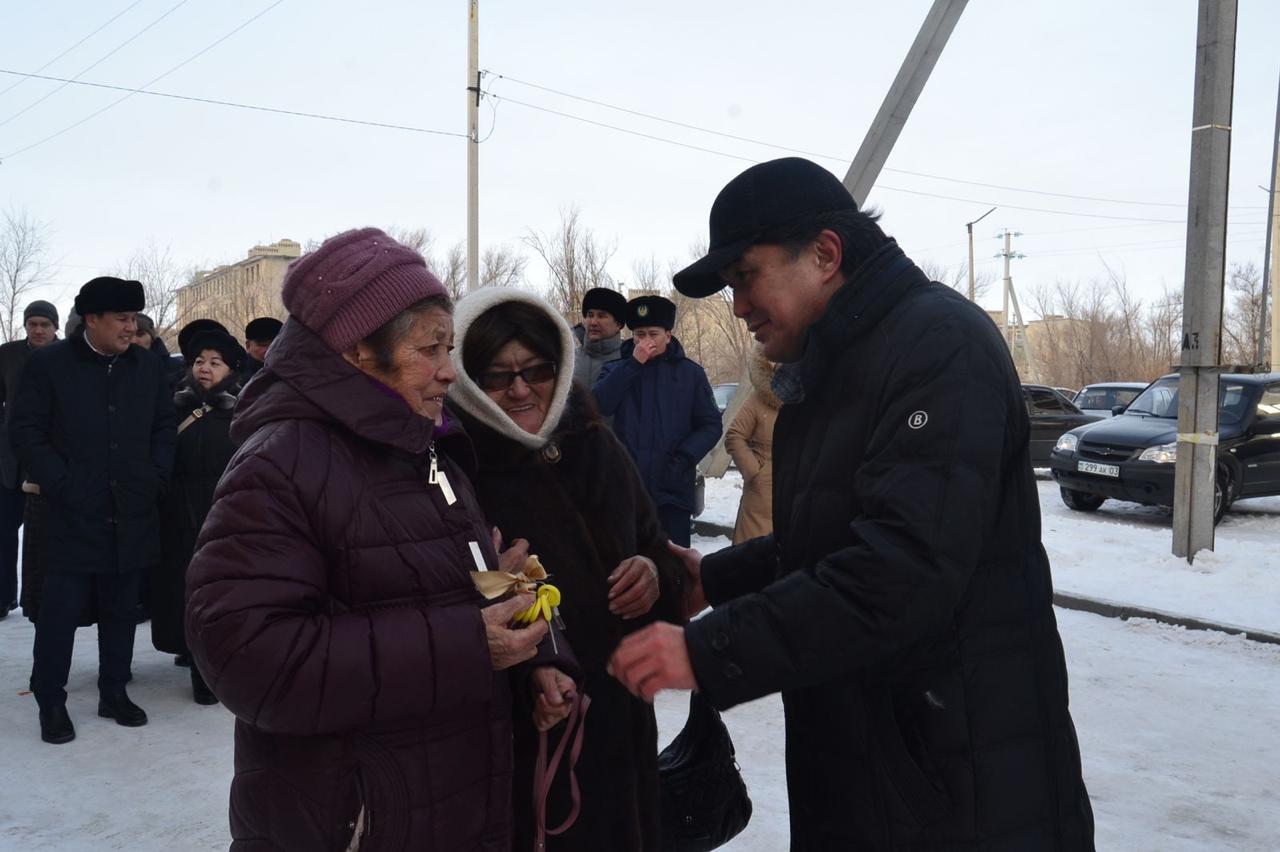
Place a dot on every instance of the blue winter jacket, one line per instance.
(665, 415)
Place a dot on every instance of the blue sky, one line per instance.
(1089, 98)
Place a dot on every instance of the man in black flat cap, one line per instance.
(258, 336)
(663, 411)
(40, 321)
(93, 427)
(604, 312)
(903, 604)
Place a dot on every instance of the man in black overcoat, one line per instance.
(40, 322)
(903, 605)
(93, 427)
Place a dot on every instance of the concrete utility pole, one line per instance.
(1014, 324)
(902, 96)
(1196, 468)
(473, 146)
(868, 162)
(973, 281)
(1271, 259)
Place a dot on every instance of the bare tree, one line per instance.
(501, 266)
(452, 270)
(161, 276)
(418, 239)
(575, 260)
(1243, 310)
(957, 278)
(24, 248)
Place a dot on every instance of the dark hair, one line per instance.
(859, 235)
(503, 323)
(146, 324)
(389, 335)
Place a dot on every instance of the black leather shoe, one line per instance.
(200, 690)
(182, 660)
(118, 706)
(55, 725)
(7, 608)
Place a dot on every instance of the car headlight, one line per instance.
(1066, 444)
(1163, 454)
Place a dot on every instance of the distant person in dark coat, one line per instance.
(93, 427)
(330, 601)
(40, 321)
(148, 339)
(903, 604)
(258, 335)
(663, 411)
(205, 401)
(551, 473)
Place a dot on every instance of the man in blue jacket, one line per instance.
(662, 409)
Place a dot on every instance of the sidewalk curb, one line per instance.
(1096, 606)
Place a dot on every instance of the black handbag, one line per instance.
(704, 801)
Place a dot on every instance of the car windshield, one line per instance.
(1161, 400)
(1105, 399)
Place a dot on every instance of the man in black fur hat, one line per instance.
(258, 336)
(93, 427)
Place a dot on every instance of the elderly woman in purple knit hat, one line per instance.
(330, 599)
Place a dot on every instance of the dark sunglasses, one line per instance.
(535, 375)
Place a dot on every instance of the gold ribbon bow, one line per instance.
(532, 578)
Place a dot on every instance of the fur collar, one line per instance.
(761, 371)
(468, 396)
(221, 397)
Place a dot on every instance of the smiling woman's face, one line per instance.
(421, 371)
(526, 403)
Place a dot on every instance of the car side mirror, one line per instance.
(1266, 426)
(1118, 409)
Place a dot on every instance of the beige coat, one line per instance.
(750, 441)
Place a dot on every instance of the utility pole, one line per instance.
(473, 146)
(1271, 260)
(1013, 325)
(1196, 467)
(973, 281)
(902, 96)
(870, 159)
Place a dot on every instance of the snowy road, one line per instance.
(1176, 727)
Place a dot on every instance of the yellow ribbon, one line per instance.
(532, 578)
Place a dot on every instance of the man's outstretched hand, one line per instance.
(694, 600)
(653, 659)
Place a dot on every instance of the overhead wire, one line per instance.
(237, 105)
(146, 85)
(108, 23)
(96, 63)
(794, 150)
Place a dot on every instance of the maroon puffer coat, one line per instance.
(331, 609)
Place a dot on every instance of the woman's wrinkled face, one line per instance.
(209, 369)
(421, 371)
(521, 382)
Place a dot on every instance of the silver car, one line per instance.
(1102, 399)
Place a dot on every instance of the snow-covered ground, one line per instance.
(1176, 727)
(1122, 553)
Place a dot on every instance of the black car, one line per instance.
(1051, 414)
(1132, 455)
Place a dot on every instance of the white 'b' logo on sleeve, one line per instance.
(918, 419)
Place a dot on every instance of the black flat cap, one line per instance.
(761, 198)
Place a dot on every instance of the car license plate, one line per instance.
(1099, 469)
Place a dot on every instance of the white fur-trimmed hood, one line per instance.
(468, 396)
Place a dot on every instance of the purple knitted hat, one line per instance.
(355, 283)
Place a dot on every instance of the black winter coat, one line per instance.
(665, 414)
(583, 514)
(903, 605)
(204, 448)
(13, 357)
(97, 435)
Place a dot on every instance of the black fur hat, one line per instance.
(107, 295)
(224, 344)
(262, 329)
(609, 301)
(648, 311)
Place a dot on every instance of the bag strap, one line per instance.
(195, 415)
(544, 773)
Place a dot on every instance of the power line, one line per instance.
(95, 64)
(835, 158)
(149, 83)
(255, 107)
(878, 186)
(110, 21)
